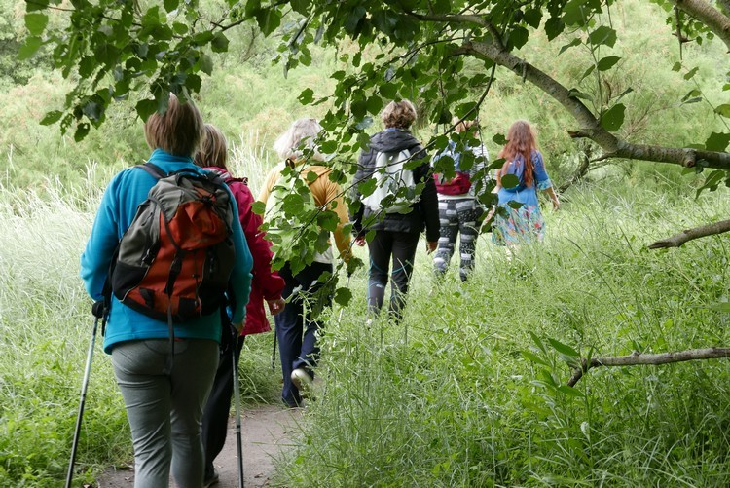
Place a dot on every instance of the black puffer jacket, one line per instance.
(425, 212)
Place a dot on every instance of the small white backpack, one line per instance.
(396, 185)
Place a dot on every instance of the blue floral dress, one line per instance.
(525, 223)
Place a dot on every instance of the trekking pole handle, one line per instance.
(98, 309)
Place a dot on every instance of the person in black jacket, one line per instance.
(396, 233)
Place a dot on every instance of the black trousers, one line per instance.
(214, 425)
(400, 247)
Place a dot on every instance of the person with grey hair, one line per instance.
(396, 233)
(296, 330)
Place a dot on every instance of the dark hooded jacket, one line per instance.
(424, 213)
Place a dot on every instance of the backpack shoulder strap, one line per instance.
(152, 169)
(234, 179)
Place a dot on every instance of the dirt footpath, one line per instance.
(267, 432)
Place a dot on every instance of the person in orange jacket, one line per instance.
(296, 331)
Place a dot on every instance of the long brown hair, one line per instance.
(521, 140)
(213, 150)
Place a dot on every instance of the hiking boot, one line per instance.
(210, 478)
(301, 378)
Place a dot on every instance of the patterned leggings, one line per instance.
(457, 216)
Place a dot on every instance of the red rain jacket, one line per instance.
(266, 283)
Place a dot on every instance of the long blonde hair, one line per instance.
(521, 141)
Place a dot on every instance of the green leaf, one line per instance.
(510, 180)
(588, 72)
(538, 342)
(499, 139)
(375, 104)
(723, 110)
(607, 62)
(268, 20)
(171, 5)
(579, 12)
(145, 108)
(690, 74)
(677, 66)
(359, 108)
(81, 131)
(570, 391)
(717, 141)
(29, 47)
(343, 295)
(518, 37)
(613, 118)
(367, 187)
(554, 26)
(534, 358)
(36, 5)
(306, 96)
(563, 349)
(206, 64)
(219, 44)
(575, 42)
(36, 23)
(258, 208)
(604, 35)
(52, 117)
(180, 28)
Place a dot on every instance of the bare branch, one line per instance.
(472, 19)
(692, 234)
(580, 172)
(590, 126)
(706, 13)
(636, 358)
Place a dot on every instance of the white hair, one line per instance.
(298, 140)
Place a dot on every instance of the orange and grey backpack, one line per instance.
(175, 259)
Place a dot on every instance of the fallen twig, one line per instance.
(637, 358)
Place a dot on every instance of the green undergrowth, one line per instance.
(469, 390)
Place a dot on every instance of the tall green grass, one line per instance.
(448, 397)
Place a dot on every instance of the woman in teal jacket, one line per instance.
(164, 396)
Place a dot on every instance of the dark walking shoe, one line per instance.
(211, 478)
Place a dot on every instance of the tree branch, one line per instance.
(580, 172)
(636, 358)
(713, 18)
(692, 234)
(590, 126)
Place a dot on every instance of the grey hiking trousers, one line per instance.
(164, 408)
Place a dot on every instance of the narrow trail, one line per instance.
(267, 432)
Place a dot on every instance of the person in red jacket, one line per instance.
(266, 285)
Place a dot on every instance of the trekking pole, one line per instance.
(273, 354)
(98, 311)
(237, 400)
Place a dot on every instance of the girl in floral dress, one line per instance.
(513, 226)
